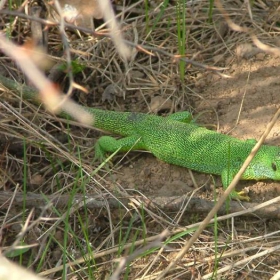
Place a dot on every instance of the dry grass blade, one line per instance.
(11, 271)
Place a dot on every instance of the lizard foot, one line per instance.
(242, 195)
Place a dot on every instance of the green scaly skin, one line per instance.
(176, 140)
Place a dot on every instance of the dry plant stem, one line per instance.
(268, 209)
(223, 198)
(24, 61)
(52, 142)
(39, 36)
(243, 261)
(28, 225)
(125, 261)
(9, 208)
(248, 31)
(276, 276)
(95, 203)
(115, 34)
(234, 26)
(153, 238)
(225, 255)
(48, 93)
(99, 255)
(66, 48)
(143, 48)
(2, 4)
(11, 271)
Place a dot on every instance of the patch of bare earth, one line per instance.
(88, 216)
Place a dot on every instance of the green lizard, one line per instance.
(176, 140)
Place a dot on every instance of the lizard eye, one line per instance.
(274, 167)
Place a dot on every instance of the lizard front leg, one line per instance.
(185, 117)
(108, 144)
(227, 177)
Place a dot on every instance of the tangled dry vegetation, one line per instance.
(63, 215)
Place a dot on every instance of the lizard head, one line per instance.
(266, 164)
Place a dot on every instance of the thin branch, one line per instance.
(268, 209)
